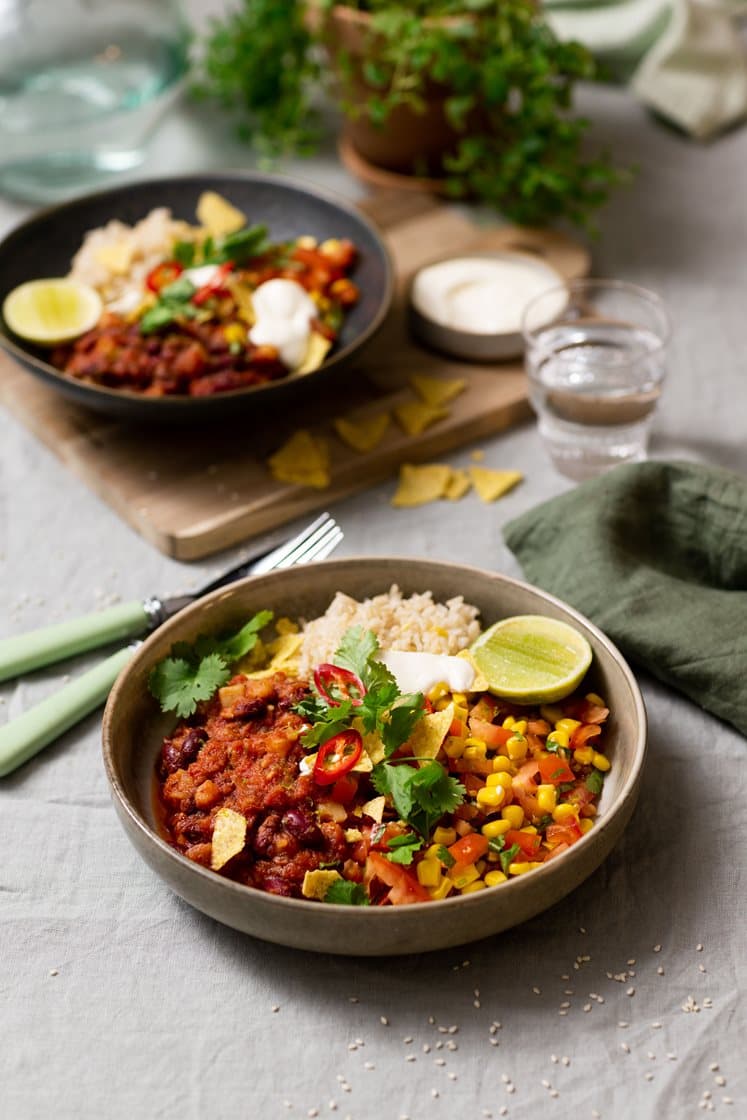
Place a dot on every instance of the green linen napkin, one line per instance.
(656, 555)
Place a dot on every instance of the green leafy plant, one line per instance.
(509, 88)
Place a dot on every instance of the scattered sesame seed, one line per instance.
(554, 1093)
(649, 1076)
(431, 1020)
(410, 1058)
(587, 1007)
(503, 1111)
(565, 1003)
(660, 970)
(439, 1061)
(340, 1078)
(720, 1081)
(359, 1042)
(476, 993)
(714, 1067)
(407, 1039)
(332, 1106)
(707, 1094)
(708, 1002)
(443, 1030)
(352, 1046)
(426, 1048)
(345, 1087)
(496, 1024)
(672, 1057)
(727, 1100)
(476, 1003)
(435, 1093)
(565, 976)
(596, 1115)
(510, 1088)
(582, 929)
(630, 992)
(505, 1079)
(275, 1009)
(554, 1059)
(624, 1046)
(701, 968)
(487, 1113)
(568, 991)
(566, 1061)
(690, 1005)
(631, 961)
(453, 1029)
(537, 991)
(313, 1112)
(493, 1041)
(651, 1056)
(383, 1020)
(54, 972)
(656, 1026)
(623, 1023)
(545, 1083)
(699, 948)
(451, 1076)
(287, 1104)
(353, 999)
(439, 1045)
(451, 1045)
(562, 1011)
(369, 1065)
(657, 948)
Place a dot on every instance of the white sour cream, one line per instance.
(283, 311)
(420, 672)
(482, 295)
(201, 276)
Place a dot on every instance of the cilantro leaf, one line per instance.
(421, 795)
(357, 647)
(398, 725)
(507, 857)
(554, 747)
(445, 856)
(184, 253)
(325, 729)
(395, 782)
(179, 685)
(241, 643)
(345, 893)
(403, 848)
(497, 844)
(595, 781)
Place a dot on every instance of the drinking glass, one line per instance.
(595, 358)
(82, 85)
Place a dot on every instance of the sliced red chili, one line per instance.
(163, 274)
(338, 755)
(335, 684)
(215, 286)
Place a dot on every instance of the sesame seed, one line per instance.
(493, 1041)
(565, 976)
(554, 1093)
(651, 1056)
(708, 1002)
(369, 1065)
(562, 1011)
(714, 1067)
(275, 1009)
(407, 1039)
(630, 992)
(565, 1003)
(582, 929)
(410, 1058)
(544, 1082)
(439, 1045)
(313, 1112)
(435, 1093)
(476, 993)
(353, 999)
(426, 1048)
(476, 1003)
(656, 1026)
(568, 991)
(505, 1079)
(631, 961)
(537, 991)
(707, 1094)
(451, 1045)
(359, 1042)
(431, 1020)
(443, 1030)
(503, 1111)
(727, 1100)
(451, 1076)
(720, 1081)
(672, 1057)
(510, 1088)
(487, 1113)
(587, 1007)
(332, 1106)
(660, 970)
(340, 1078)
(701, 968)
(623, 1023)
(383, 1020)
(657, 948)
(566, 1061)
(439, 1061)
(624, 1046)
(596, 1115)
(554, 1059)
(54, 972)
(699, 948)
(496, 1024)
(649, 1076)
(352, 1046)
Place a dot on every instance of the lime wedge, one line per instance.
(531, 659)
(51, 311)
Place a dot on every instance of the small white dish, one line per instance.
(471, 306)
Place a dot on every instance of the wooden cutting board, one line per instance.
(192, 493)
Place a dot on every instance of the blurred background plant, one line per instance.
(476, 93)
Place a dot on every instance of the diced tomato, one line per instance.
(529, 842)
(345, 789)
(592, 713)
(214, 287)
(490, 734)
(404, 887)
(482, 766)
(580, 795)
(524, 788)
(582, 734)
(458, 728)
(469, 848)
(566, 832)
(538, 727)
(556, 851)
(555, 770)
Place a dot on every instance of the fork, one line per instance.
(22, 738)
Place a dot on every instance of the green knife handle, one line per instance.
(22, 738)
(25, 652)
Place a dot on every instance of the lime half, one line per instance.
(51, 311)
(531, 659)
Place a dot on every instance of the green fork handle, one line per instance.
(22, 738)
(25, 652)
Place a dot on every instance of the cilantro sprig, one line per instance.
(241, 246)
(174, 302)
(195, 671)
(420, 794)
(402, 849)
(345, 893)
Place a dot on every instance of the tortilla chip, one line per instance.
(303, 460)
(477, 455)
(374, 808)
(373, 745)
(479, 684)
(421, 484)
(117, 257)
(317, 883)
(229, 837)
(217, 215)
(284, 648)
(242, 297)
(316, 352)
(492, 484)
(430, 732)
(363, 434)
(287, 626)
(437, 391)
(457, 486)
(415, 416)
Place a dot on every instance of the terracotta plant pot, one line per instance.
(409, 142)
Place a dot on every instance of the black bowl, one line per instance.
(45, 244)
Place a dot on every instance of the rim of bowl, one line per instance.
(366, 913)
(22, 355)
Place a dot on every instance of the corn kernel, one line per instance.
(586, 824)
(509, 722)
(502, 779)
(547, 798)
(558, 736)
(551, 713)
(493, 878)
(429, 872)
(595, 698)
(306, 242)
(438, 691)
(600, 761)
(584, 755)
(495, 828)
(520, 727)
(441, 891)
(568, 725)
(564, 812)
(444, 836)
(475, 749)
(529, 828)
(464, 876)
(331, 246)
(460, 700)
(514, 814)
(502, 765)
(431, 852)
(234, 333)
(520, 868)
(517, 747)
(491, 797)
(454, 747)
(478, 885)
(460, 713)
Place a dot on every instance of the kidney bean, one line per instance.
(300, 823)
(178, 756)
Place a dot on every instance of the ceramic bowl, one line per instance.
(45, 244)
(134, 729)
(470, 345)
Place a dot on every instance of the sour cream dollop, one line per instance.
(283, 311)
(420, 672)
(482, 295)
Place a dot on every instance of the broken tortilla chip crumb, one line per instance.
(317, 883)
(217, 215)
(421, 484)
(493, 484)
(364, 433)
(415, 416)
(430, 732)
(437, 391)
(229, 837)
(457, 486)
(303, 460)
(316, 351)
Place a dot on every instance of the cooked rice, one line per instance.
(415, 623)
(149, 241)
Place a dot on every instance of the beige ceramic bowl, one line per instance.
(134, 728)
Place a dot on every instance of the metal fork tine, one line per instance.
(278, 555)
(316, 549)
